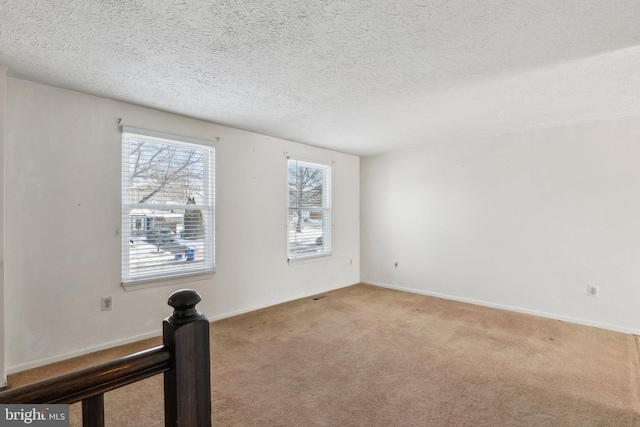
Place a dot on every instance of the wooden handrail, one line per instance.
(183, 358)
(92, 381)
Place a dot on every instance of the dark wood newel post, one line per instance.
(187, 385)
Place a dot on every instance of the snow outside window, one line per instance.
(167, 206)
(309, 209)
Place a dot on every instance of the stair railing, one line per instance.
(183, 358)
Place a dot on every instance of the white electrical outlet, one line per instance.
(106, 303)
(592, 290)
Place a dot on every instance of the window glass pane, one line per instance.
(306, 236)
(306, 186)
(166, 241)
(161, 173)
(309, 219)
(167, 206)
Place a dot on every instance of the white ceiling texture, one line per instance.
(357, 76)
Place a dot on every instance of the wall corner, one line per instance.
(3, 113)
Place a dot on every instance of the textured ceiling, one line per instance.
(358, 76)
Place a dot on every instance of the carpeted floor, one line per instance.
(368, 356)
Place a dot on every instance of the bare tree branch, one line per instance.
(305, 190)
(164, 170)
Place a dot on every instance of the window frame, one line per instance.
(326, 209)
(207, 207)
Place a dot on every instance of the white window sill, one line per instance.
(309, 258)
(155, 282)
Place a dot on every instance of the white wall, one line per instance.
(523, 222)
(3, 97)
(63, 155)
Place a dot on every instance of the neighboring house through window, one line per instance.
(309, 209)
(167, 206)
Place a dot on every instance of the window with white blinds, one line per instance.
(309, 209)
(167, 206)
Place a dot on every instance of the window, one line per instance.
(309, 209)
(167, 206)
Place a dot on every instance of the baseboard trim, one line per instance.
(616, 328)
(92, 349)
(276, 302)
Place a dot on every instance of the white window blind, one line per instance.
(167, 206)
(309, 209)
